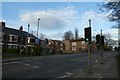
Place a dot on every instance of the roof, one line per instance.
(81, 39)
(7, 30)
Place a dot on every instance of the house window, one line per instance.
(61, 44)
(83, 42)
(73, 43)
(12, 38)
(74, 49)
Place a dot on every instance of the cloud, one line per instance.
(95, 17)
(113, 33)
(57, 36)
(50, 19)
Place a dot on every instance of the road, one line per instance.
(51, 66)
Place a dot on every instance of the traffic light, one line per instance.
(102, 40)
(98, 39)
(87, 34)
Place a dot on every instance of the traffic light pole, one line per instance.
(20, 52)
(89, 50)
(90, 57)
(101, 48)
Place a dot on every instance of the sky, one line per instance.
(57, 17)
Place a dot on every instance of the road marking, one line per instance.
(100, 78)
(76, 59)
(67, 75)
(30, 65)
(15, 62)
(64, 76)
(81, 70)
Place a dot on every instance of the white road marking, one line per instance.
(76, 59)
(100, 78)
(15, 62)
(64, 76)
(67, 75)
(30, 65)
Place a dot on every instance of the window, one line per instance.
(73, 43)
(12, 38)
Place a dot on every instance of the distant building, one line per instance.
(12, 38)
(77, 45)
(55, 45)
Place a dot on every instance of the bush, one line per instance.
(9, 50)
(9, 53)
(37, 50)
(118, 57)
(118, 63)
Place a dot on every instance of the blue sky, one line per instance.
(57, 17)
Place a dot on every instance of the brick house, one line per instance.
(12, 38)
(55, 45)
(77, 45)
(67, 45)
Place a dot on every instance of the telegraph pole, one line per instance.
(38, 27)
(101, 47)
(27, 40)
(89, 49)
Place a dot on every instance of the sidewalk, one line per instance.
(9, 60)
(106, 70)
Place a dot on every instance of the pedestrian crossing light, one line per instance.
(87, 34)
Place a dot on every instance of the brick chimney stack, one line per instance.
(21, 28)
(2, 24)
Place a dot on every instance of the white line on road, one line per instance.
(15, 62)
(81, 70)
(67, 75)
(30, 65)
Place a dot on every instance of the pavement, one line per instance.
(9, 60)
(106, 70)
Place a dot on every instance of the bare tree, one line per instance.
(42, 36)
(68, 35)
(76, 34)
(114, 14)
(107, 38)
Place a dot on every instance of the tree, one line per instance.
(114, 14)
(76, 34)
(68, 35)
(42, 36)
(107, 39)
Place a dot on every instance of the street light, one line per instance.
(38, 26)
(101, 47)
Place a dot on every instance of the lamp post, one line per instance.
(38, 26)
(27, 39)
(89, 50)
(101, 47)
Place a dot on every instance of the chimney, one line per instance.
(21, 28)
(2, 24)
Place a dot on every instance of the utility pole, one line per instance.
(38, 27)
(89, 50)
(101, 47)
(27, 40)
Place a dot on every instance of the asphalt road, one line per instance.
(52, 66)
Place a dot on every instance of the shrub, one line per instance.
(9, 50)
(37, 50)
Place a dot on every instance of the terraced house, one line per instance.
(73, 46)
(12, 38)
